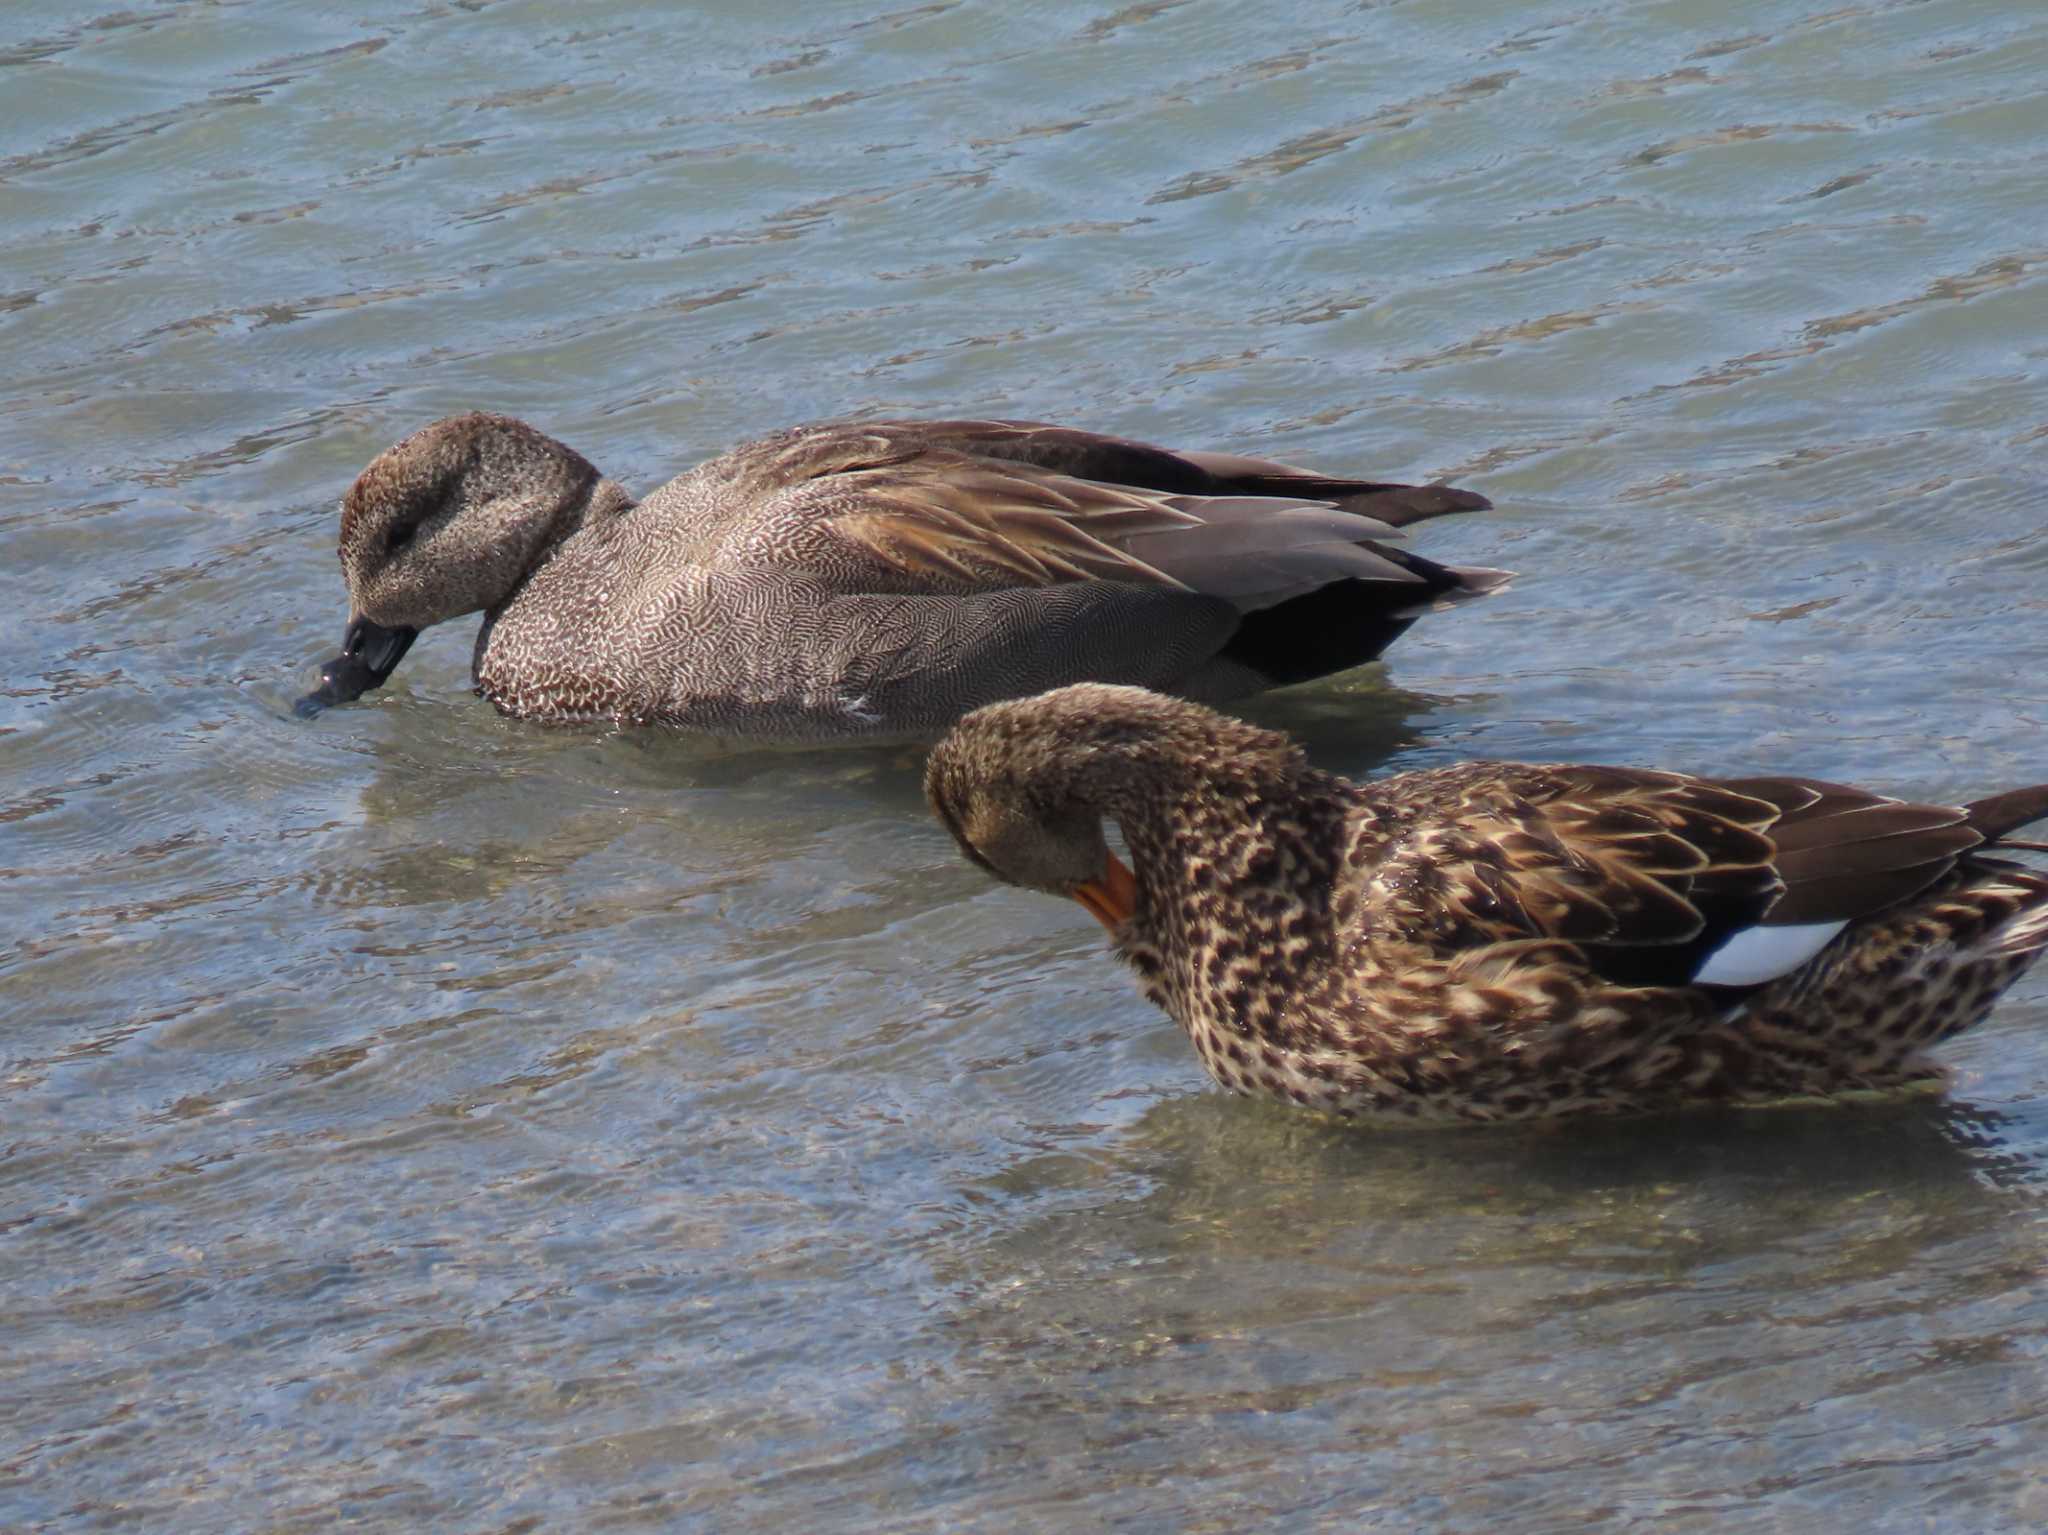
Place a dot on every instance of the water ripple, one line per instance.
(418, 1119)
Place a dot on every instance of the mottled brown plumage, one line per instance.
(875, 579)
(1501, 940)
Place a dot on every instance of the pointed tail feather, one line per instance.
(2026, 935)
(1994, 817)
(1476, 581)
(1403, 505)
(1229, 474)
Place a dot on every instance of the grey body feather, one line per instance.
(872, 580)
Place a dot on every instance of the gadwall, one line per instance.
(1496, 940)
(871, 580)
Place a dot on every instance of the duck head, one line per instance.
(449, 521)
(1028, 829)
(1024, 786)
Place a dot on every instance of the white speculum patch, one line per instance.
(1759, 954)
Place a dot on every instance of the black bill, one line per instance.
(368, 654)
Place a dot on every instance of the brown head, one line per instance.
(1024, 786)
(449, 521)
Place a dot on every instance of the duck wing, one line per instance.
(1666, 880)
(1116, 460)
(907, 507)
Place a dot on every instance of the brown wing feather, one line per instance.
(975, 523)
(771, 464)
(1624, 863)
(1703, 847)
(1652, 873)
(949, 517)
(1126, 461)
(1845, 853)
(954, 508)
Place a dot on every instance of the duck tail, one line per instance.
(1346, 622)
(1400, 505)
(2028, 935)
(1993, 818)
(1475, 581)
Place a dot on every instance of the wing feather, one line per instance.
(1115, 460)
(1651, 874)
(984, 525)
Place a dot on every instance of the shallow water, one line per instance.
(421, 1120)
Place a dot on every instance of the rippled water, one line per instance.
(424, 1121)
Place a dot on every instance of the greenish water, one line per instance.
(416, 1120)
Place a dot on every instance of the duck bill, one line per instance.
(1113, 899)
(369, 653)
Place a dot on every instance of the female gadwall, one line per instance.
(873, 580)
(1497, 940)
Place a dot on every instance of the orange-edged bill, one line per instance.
(1112, 898)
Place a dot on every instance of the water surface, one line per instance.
(425, 1121)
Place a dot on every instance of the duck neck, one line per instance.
(598, 509)
(1223, 864)
(1169, 830)
(605, 501)
(1190, 778)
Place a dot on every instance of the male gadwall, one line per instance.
(874, 580)
(1497, 940)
